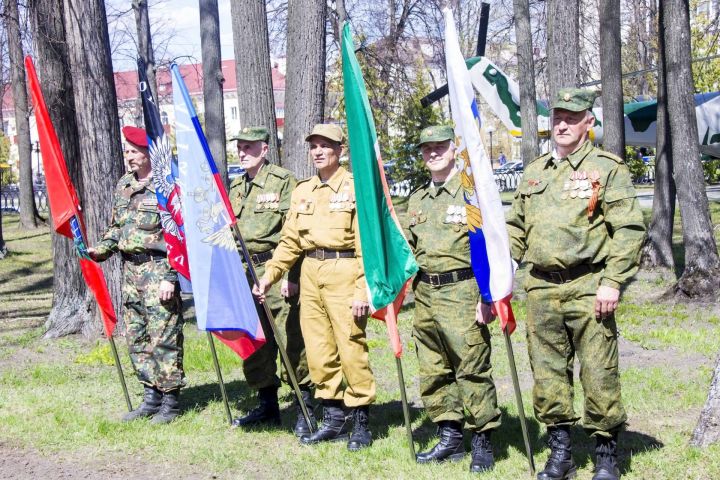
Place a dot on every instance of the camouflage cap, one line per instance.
(330, 131)
(253, 134)
(436, 133)
(575, 99)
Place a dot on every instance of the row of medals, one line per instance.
(339, 201)
(576, 189)
(456, 214)
(268, 200)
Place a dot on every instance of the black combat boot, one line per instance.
(332, 428)
(301, 426)
(149, 406)
(266, 413)
(169, 409)
(560, 465)
(606, 466)
(361, 435)
(450, 447)
(482, 453)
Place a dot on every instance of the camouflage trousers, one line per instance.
(260, 368)
(453, 351)
(560, 324)
(153, 328)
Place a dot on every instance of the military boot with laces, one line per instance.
(450, 447)
(560, 465)
(150, 405)
(361, 435)
(482, 453)
(169, 408)
(301, 425)
(332, 428)
(606, 466)
(267, 413)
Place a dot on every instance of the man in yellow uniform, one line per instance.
(322, 225)
(260, 200)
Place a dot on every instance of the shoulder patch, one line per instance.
(614, 158)
(125, 180)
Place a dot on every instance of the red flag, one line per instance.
(64, 204)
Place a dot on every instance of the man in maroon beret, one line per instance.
(151, 307)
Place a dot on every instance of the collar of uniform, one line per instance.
(334, 182)
(137, 185)
(579, 155)
(451, 186)
(262, 175)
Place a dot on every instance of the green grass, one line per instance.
(63, 396)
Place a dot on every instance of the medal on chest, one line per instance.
(267, 201)
(341, 201)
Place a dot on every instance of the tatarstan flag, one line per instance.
(387, 258)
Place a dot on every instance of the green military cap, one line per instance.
(436, 133)
(575, 99)
(253, 134)
(330, 131)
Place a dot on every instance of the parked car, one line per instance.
(235, 171)
(511, 167)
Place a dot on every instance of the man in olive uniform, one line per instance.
(453, 348)
(576, 221)
(322, 225)
(260, 200)
(151, 302)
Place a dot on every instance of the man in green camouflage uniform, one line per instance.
(453, 348)
(260, 200)
(151, 302)
(576, 221)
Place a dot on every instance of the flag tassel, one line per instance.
(273, 326)
(113, 348)
(218, 372)
(518, 399)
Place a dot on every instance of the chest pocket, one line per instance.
(148, 217)
(305, 212)
(341, 216)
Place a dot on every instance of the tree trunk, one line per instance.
(3, 248)
(563, 45)
(701, 276)
(73, 305)
(97, 123)
(611, 76)
(707, 430)
(256, 103)
(213, 80)
(28, 211)
(657, 252)
(145, 46)
(305, 81)
(526, 70)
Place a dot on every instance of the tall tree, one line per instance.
(701, 276)
(72, 307)
(563, 44)
(657, 251)
(707, 430)
(145, 45)
(256, 102)
(213, 80)
(611, 76)
(526, 71)
(97, 122)
(305, 81)
(28, 211)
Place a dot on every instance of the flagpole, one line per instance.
(406, 409)
(276, 333)
(518, 399)
(219, 375)
(120, 372)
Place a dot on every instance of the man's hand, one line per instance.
(606, 301)
(288, 289)
(360, 308)
(260, 289)
(167, 290)
(92, 253)
(484, 313)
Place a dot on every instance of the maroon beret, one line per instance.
(136, 136)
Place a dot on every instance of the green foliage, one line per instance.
(711, 170)
(635, 164)
(706, 74)
(99, 355)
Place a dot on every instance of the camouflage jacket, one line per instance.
(575, 210)
(436, 227)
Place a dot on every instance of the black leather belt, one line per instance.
(140, 258)
(568, 275)
(440, 279)
(262, 257)
(328, 254)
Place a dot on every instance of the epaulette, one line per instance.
(417, 189)
(611, 156)
(279, 172)
(545, 156)
(305, 180)
(125, 180)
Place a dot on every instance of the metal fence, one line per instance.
(10, 199)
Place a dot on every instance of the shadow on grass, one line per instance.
(510, 435)
(199, 396)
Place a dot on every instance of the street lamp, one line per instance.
(490, 129)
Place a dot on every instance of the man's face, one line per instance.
(324, 152)
(438, 156)
(136, 157)
(570, 129)
(251, 153)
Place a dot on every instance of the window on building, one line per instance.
(233, 113)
